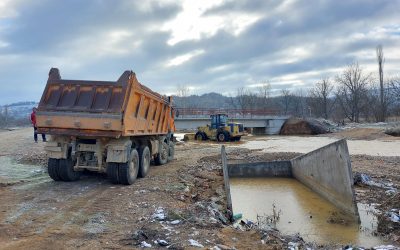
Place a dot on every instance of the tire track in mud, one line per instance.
(61, 210)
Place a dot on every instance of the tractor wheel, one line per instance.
(144, 161)
(128, 172)
(67, 172)
(53, 166)
(162, 156)
(112, 172)
(171, 150)
(222, 136)
(200, 136)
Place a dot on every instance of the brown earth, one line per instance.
(92, 213)
(362, 134)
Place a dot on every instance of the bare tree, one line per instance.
(264, 93)
(4, 117)
(383, 105)
(320, 93)
(395, 86)
(246, 99)
(183, 91)
(394, 90)
(286, 99)
(351, 92)
(298, 103)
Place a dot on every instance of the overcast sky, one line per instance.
(207, 45)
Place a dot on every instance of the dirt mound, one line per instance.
(296, 126)
(395, 131)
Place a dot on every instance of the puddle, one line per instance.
(12, 172)
(301, 211)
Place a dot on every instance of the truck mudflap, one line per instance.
(56, 150)
(118, 150)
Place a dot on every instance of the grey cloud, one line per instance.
(53, 33)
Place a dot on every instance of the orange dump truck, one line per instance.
(109, 127)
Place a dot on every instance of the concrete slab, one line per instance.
(327, 171)
(261, 169)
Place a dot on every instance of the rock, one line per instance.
(195, 243)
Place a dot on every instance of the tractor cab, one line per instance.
(218, 120)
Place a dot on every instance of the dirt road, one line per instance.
(38, 213)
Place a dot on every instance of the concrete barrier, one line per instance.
(261, 169)
(327, 171)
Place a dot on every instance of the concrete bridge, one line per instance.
(270, 125)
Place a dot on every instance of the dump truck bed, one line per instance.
(103, 108)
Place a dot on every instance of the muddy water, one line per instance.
(301, 211)
(12, 172)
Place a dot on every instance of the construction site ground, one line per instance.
(180, 204)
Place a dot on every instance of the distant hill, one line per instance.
(205, 101)
(18, 110)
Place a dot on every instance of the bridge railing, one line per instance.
(232, 113)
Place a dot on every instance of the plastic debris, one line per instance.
(175, 222)
(394, 217)
(195, 243)
(385, 247)
(162, 243)
(361, 178)
(144, 244)
(159, 214)
(236, 217)
(293, 246)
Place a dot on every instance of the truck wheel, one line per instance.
(53, 169)
(128, 172)
(144, 161)
(223, 136)
(171, 150)
(67, 172)
(162, 157)
(200, 136)
(112, 172)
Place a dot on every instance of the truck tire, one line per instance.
(171, 150)
(112, 172)
(222, 136)
(162, 157)
(67, 172)
(53, 169)
(144, 161)
(128, 172)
